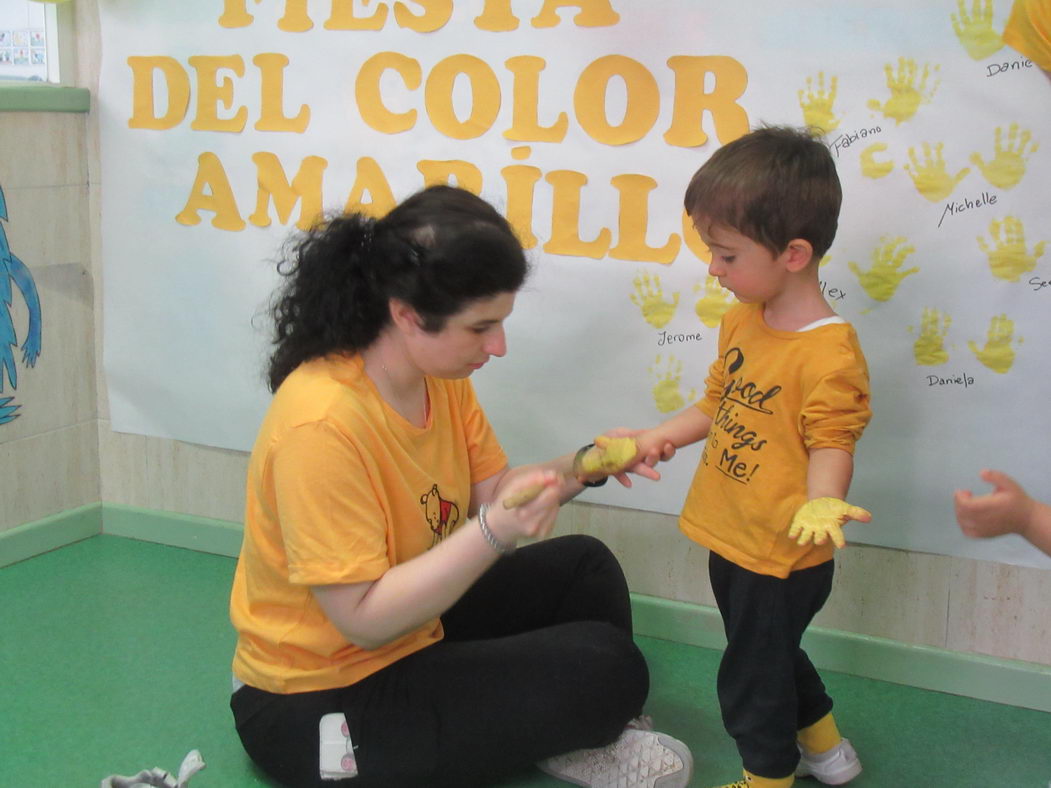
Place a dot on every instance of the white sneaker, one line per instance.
(837, 766)
(638, 759)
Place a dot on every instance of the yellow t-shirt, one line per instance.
(1028, 30)
(341, 488)
(772, 396)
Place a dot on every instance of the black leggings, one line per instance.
(768, 688)
(538, 659)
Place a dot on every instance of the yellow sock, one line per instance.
(820, 737)
(755, 781)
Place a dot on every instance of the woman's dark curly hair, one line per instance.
(437, 251)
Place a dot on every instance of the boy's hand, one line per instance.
(647, 454)
(820, 520)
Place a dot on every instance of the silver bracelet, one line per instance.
(490, 537)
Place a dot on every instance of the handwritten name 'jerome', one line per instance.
(667, 338)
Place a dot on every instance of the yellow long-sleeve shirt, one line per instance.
(772, 396)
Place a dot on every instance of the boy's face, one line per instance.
(745, 268)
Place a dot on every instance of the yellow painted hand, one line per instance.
(817, 105)
(1008, 257)
(714, 303)
(931, 178)
(821, 519)
(905, 95)
(649, 298)
(882, 279)
(998, 353)
(871, 168)
(667, 394)
(975, 30)
(608, 455)
(1008, 163)
(929, 348)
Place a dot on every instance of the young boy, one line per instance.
(785, 402)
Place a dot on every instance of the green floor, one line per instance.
(116, 656)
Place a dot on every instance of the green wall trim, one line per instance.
(58, 530)
(1013, 682)
(43, 98)
(202, 534)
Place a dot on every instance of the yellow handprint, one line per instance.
(649, 298)
(976, 31)
(824, 260)
(714, 303)
(997, 355)
(666, 392)
(905, 95)
(871, 168)
(1009, 258)
(882, 279)
(1008, 164)
(931, 178)
(929, 348)
(817, 106)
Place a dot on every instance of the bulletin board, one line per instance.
(227, 125)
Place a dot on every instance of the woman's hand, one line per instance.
(533, 519)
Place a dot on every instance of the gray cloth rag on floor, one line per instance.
(157, 777)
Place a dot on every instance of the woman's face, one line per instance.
(468, 340)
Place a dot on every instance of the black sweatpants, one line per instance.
(768, 688)
(538, 659)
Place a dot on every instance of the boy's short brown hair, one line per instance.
(773, 184)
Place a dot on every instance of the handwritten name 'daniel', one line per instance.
(962, 379)
(993, 69)
(953, 207)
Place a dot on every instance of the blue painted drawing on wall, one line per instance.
(14, 270)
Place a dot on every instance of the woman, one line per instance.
(387, 628)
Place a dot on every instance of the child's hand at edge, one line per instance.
(1007, 509)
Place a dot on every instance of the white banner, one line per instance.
(227, 124)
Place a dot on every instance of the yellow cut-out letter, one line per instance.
(565, 218)
(496, 17)
(485, 97)
(344, 18)
(643, 104)
(178, 88)
(436, 13)
(466, 175)
(593, 13)
(691, 102)
(521, 183)
(370, 101)
(634, 216)
(525, 126)
(305, 189)
(295, 20)
(211, 92)
(370, 178)
(220, 199)
(271, 67)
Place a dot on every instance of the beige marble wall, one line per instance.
(49, 454)
(959, 604)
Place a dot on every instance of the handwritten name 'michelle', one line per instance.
(954, 207)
